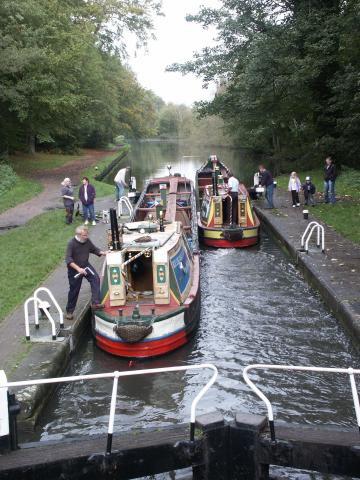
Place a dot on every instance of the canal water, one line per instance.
(256, 308)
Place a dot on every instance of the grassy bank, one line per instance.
(103, 189)
(32, 252)
(25, 164)
(22, 190)
(38, 247)
(344, 217)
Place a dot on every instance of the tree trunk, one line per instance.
(31, 143)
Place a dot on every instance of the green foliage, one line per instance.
(8, 178)
(62, 82)
(287, 73)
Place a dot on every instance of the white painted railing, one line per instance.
(44, 306)
(124, 201)
(4, 385)
(320, 239)
(349, 371)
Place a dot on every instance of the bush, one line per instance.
(8, 178)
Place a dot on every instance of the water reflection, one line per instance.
(149, 159)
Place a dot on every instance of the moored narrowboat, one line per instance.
(217, 227)
(150, 279)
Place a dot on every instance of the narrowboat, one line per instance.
(217, 228)
(150, 278)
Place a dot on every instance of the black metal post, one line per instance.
(114, 230)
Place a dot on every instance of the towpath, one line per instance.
(49, 198)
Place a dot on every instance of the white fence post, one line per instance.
(4, 407)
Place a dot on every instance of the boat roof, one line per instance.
(134, 234)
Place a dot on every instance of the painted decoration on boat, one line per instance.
(181, 266)
(161, 274)
(115, 276)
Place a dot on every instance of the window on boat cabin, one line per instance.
(205, 207)
(140, 274)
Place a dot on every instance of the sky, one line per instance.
(176, 41)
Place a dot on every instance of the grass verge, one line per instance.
(344, 217)
(103, 189)
(23, 190)
(25, 164)
(31, 252)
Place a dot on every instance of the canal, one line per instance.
(256, 308)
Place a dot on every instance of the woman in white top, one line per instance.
(233, 189)
(294, 187)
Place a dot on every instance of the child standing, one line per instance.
(309, 189)
(294, 187)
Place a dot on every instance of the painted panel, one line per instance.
(181, 267)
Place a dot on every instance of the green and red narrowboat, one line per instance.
(217, 228)
(150, 279)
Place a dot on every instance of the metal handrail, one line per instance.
(127, 203)
(350, 371)
(4, 384)
(38, 304)
(320, 233)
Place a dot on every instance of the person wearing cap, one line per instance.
(309, 189)
(67, 194)
(120, 182)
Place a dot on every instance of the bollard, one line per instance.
(306, 214)
(213, 433)
(243, 449)
(14, 410)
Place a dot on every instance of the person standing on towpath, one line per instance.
(120, 182)
(87, 196)
(77, 260)
(267, 182)
(329, 181)
(67, 193)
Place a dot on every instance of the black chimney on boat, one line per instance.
(114, 230)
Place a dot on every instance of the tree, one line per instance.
(284, 64)
(59, 64)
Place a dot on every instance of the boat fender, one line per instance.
(132, 333)
(232, 235)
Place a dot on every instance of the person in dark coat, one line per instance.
(67, 194)
(329, 181)
(87, 196)
(77, 261)
(266, 181)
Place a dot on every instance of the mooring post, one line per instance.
(243, 448)
(213, 433)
